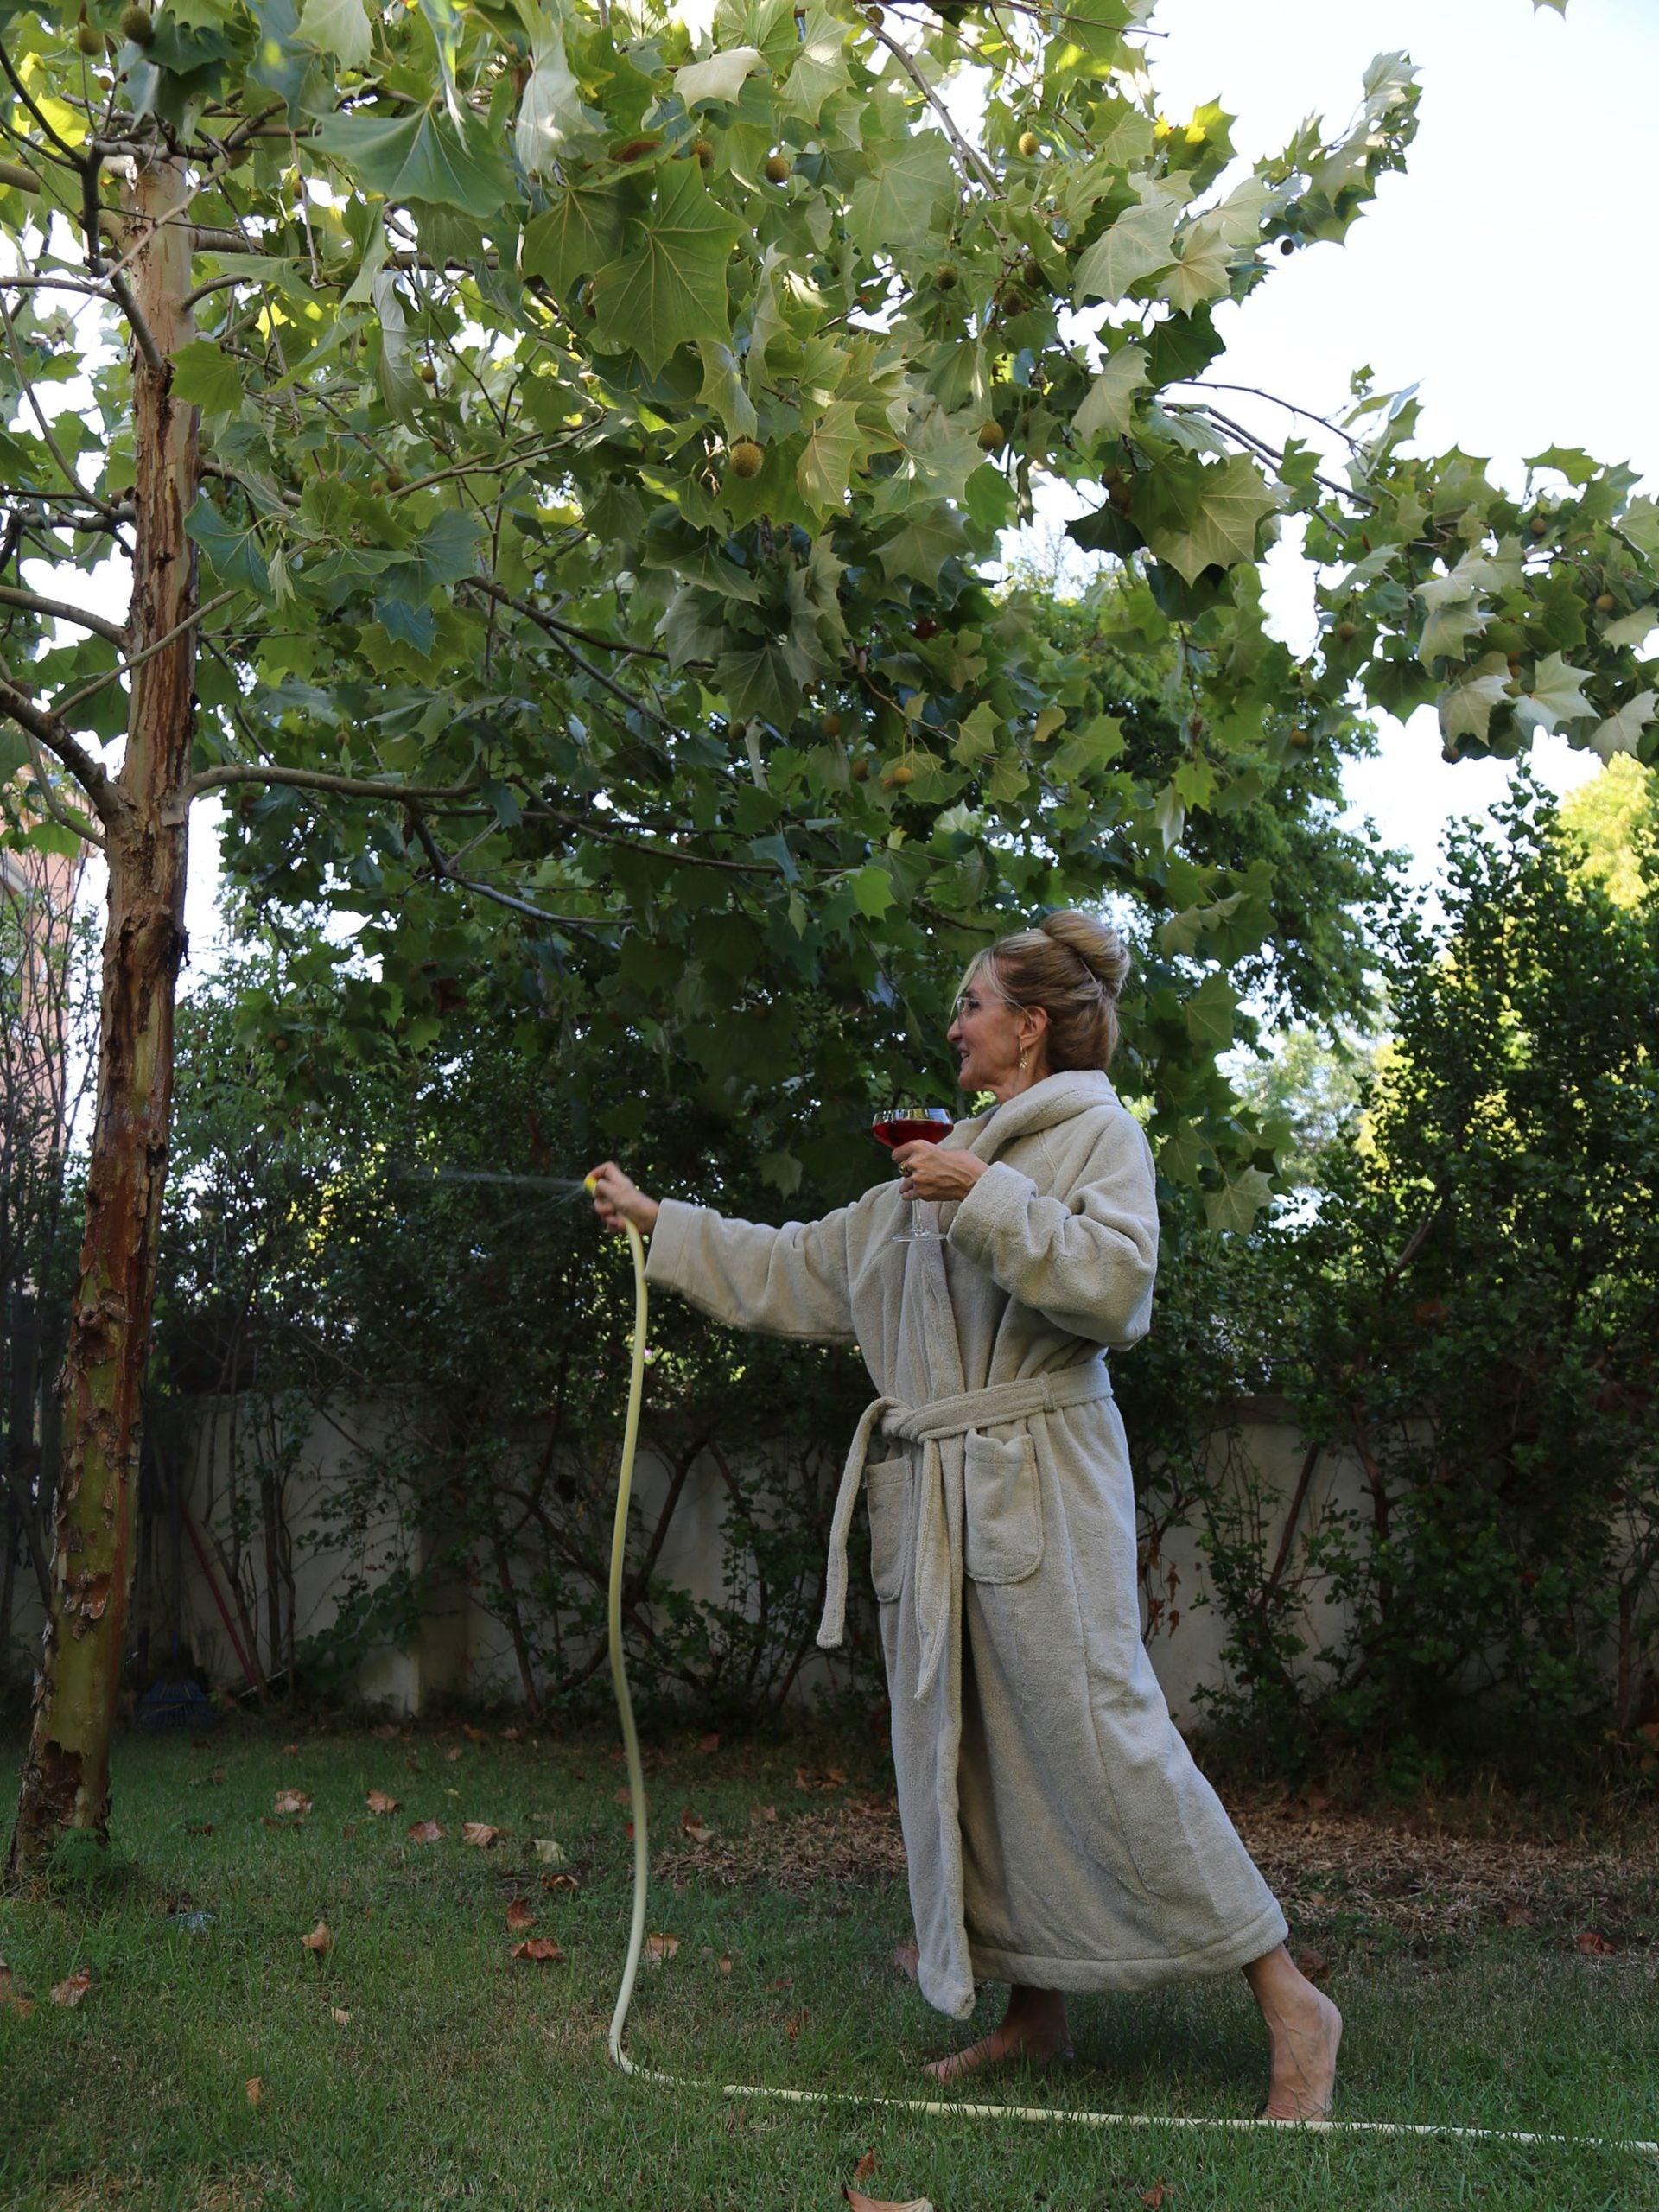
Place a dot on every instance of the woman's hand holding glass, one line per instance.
(930, 1172)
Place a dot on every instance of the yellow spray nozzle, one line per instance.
(589, 1185)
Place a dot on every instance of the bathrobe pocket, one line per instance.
(1003, 1532)
(886, 1493)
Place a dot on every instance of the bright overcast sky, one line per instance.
(1509, 272)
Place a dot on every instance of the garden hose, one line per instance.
(954, 2108)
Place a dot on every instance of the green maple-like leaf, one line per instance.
(896, 204)
(820, 68)
(720, 78)
(419, 157)
(204, 377)
(1198, 515)
(1138, 243)
(671, 290)
(923, 546)
(579, 233)
(341, 27)
(1236, 1205)
(1554, 695)
(1466, 707)
(1203, 271)
(1107, 404)
(835, 447)
(1621, 733)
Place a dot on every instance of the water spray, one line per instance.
(954, 2108)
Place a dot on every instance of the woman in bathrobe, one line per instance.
(1058, 1835)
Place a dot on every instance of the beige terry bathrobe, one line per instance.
(1057, 1830)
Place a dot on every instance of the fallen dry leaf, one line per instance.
(342, 2018)
(428, 1831)
(386, 1732)
(560, 1882)
(536, 1946)
(198, 1827)
(1594, 1944)
(710, 1742)
(456, 1751)
(792, 2025)
(319, 1940)
(1154, 2196)
(660, 1947)
(1518, 1916)
(478, 1833)
(11, 1998)
(622, 1794)
(860, 2202)
(785, 1981)
(1313, 1964)
(509, 1735)
(519, 1915)
(288, 1749)
(694, 1827)
(865, 2167)
(724, 1963)
(378, 1801)
(71, 1989)
(548, 1850)
(411, 1765)
(256, 2090)
(473, 1735)
(291, 1800)
(767, 1812)
(813, 1778)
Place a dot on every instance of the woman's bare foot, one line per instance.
(1034, 2026)
(1304, 2029)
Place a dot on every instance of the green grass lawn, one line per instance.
(416, 2062)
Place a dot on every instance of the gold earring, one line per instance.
(1022, 1063)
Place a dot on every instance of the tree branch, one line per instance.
(125, 667)
(558, 631)
(443, 872)
(61, 610)
(972, 162)
(48, 731)
(318, 780)
(49, 798)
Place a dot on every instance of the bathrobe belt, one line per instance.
(926, 1424)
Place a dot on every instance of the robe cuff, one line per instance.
(995, 1204)
(668, 1244)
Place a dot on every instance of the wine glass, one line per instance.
(906, 1125)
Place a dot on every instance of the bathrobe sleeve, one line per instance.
(1085, 1263)
(793, 1281)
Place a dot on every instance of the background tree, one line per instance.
(1470, 1317)
(590, 436)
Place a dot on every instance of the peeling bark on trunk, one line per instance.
(66, 1780)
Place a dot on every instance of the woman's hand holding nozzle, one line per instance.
(617, 1198)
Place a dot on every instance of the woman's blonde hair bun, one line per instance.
(1098, 945)
(1071, 964)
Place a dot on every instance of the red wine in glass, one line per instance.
(896, 1125)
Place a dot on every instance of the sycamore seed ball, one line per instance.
(1029, 144)
(990, 437)
(89, 39)
(1347, 631)
(1605, 602)
(704, 152)
(901, 772)
(748, 458)
(1539, 525)
(777, 168)
(136, 25)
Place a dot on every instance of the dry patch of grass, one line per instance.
(1409, 1875)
